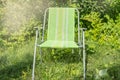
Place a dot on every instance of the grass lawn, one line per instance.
(16, 64)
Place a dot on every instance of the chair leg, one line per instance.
(84, 58)
(80, 55)
(40, 56)
(84, 64)
(34, 58)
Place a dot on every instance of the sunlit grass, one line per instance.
(16, 64)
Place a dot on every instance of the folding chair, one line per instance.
(61, 33)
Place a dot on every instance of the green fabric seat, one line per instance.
(61, 23)
(59, 44)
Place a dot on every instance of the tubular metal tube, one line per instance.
(34, 58)
(84, 57)
(44, 24)
(83, 46)
(78, 27)
(40, 55)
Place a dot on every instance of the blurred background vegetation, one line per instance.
(18, 19)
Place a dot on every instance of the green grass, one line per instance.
(16, 64)
(14, 61)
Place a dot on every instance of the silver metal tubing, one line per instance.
(40, 55)
(44, 24)
(84, 57)
(34, 58)
(79, 42)
(81, 38)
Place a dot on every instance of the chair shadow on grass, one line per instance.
(66, 56)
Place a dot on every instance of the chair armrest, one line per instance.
(37, 31)
(38, 34)
(83, 29)
(81, 34)
(36, 28)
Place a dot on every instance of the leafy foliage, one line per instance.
(18, 19)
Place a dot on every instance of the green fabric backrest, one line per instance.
(61, 23)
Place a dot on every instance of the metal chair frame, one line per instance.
(81, 41)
